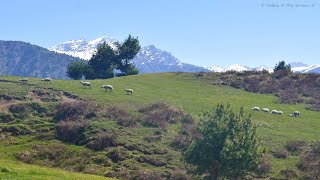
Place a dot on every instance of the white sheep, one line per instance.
(265, 109)
(296, 114)
(128, 91)
(255, 108)
(279, 112)
(107, 87)
(274, 112)
(46, 80)
(24, 80)
(86, 84)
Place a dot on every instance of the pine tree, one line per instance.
(282, 66)
(282, 70)
(75, 70)
(102, 63)
(228, 146)
(127, 51)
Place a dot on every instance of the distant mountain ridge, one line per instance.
(151, 59)
(148, 60)
(24, 59)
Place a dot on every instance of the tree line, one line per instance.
(106, 61)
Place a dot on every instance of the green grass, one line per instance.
(195, 95)
(191, 94)
(17, 170)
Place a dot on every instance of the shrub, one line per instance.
(310, 162)
(75, 110)
(56, 155)
(117, 155)
(289, 173)
(228, 147)
(72, 131)
(181, 142)
(5, 118)
(295, 146)
(102, 140)
(289, 97)
(252, 83)
(147, 175)
(280, 153)
(160, 114)
(23, 110)
(286, 83)
(268, 86)
(263, 166)
(20, 110)
(121, 116)
(179, 175)
(17, 129)
(151, 160)
(151, 138)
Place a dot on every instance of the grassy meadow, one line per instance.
(183, 90)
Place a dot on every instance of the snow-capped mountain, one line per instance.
(216, 69)
(148, 60)
(307, 69)
(297, 64)
(151, 59)
(239, 68)
(261, 68)
(81, 48)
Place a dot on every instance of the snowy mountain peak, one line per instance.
(152, 59)
(237, 67)
(81, 48)
(102, 39)
(216, 69)
(149, 59)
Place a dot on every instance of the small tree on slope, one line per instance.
(228, 146)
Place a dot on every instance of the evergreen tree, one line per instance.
(127, 51)
(228, 146)
(75, 70)
(282, 66)
(102, 63)
(282, 70)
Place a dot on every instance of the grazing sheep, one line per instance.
(255, 109)
(274, 112)
(107, 87)
(279, 112)
(296, 113)
(128, 91)
(24, 80)
(86, 84)
(46, 80)
(265, 109)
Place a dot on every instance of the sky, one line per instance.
(202, 32)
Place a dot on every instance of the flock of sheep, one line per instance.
(130, 91)
(84, 84)
(45, 80)
(266, 110)
(106, 87)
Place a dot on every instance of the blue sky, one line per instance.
(203, 32)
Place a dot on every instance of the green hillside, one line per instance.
(183, 91)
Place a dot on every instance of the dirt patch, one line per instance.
(4, 105)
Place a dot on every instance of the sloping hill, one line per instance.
(23, 59)
(135, 146)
